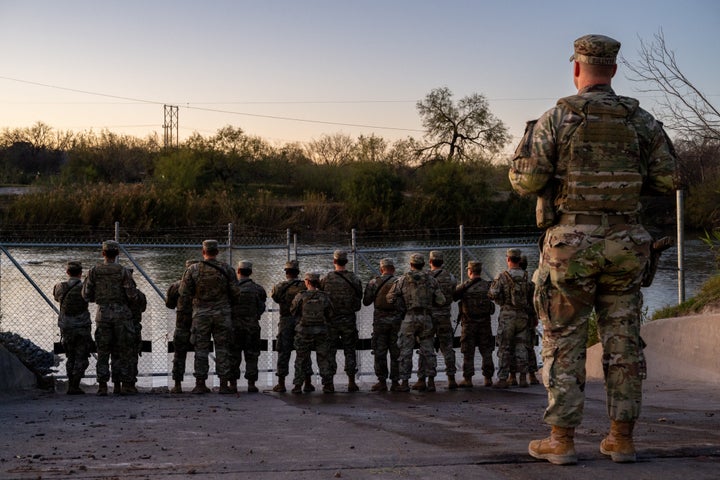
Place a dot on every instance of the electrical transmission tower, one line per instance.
(170, 126)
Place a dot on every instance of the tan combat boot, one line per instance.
(200, 387)
(352, 386)
(523, 383)
(280, 387)
(466, 383)
(380, 386)
(251, 387)
(501, 383)
(328, 387)
(558, 448)
(488, 382)
(177, 388)
(402, 386)
(431, 384)
(452, 384)
(129, 388)
(420, 385)
(74, 386)
(308, 386)
(394, 385)
(102, 389)
(297, 388)
(512, 380)
(619, 442)
(225, 387)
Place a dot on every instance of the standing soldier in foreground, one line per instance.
(283, 294)
(211, 286)
(416, 293)
(246, 313)
(75, 325)
(386, 325)
(511, 292)
(475, 311)
(345, 290)
(588, 160)
(181, 335)
(112, 288)
(314, 311)
(442, 326)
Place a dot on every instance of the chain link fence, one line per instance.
(30, 269)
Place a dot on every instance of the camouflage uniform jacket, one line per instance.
(284, 292)
(93, 292)
(475, 304)
(501, 291)
(536, 164)
(404, 294)
(210, 285)
(375, 294)
(73, 308)
(447, 282)
(345, 290)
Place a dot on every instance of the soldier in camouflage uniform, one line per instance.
(112, 288)
(475, 311)
(386, 325)
(75, 325)
(314, 311)
(345, 290)
(211, 286)
(442, 325)
(588, 160)
(137, 308)
(416, 293)
(181, 335)
(532, 338)
(511, 291)
(246, 313)
(283, 294)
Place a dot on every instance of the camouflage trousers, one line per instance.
(217, 326)
(77, 342)
(245, 342)
(285, 346)
(343, 332)
(532, 341)
(114, 336)
(442, 325)
(181, 345)
(512, 342)
(585, 268)
(137, 353)
(477, 334)
(416, 325)
(308, 339)
(384, 340)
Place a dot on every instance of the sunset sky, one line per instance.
(292, 71)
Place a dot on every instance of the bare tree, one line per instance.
(336, 149)
(458, 131)
(684, 108)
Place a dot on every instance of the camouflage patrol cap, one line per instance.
(339, 255)
(514, 252)
(387, 262)
(595, 50)
(312, 276)
(210, 245)
(72, 264)
(244, 265)
(417, 259)
(475, 266)
(292, 265)
(110, 245)
(436, 255)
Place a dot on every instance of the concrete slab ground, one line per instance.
(479, 433)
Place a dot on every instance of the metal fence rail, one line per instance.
(30, 269)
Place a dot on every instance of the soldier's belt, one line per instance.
(599, 219)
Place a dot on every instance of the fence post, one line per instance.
(680, 246)
(230, 244)
(353, 240)
(117, 232)
(287, 243)
(462, 253)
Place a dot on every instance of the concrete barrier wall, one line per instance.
(678, 349)
(14, 375)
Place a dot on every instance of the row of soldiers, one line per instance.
(216, 304)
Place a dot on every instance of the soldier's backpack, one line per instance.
(73, 303)
(247, 300)
(288, 293)
(603, 170)
(313, 310)
(475, 301)
(417, 291)
(447, 284)
(519, 291)
(212, 283)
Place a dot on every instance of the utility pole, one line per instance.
(170, 126)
